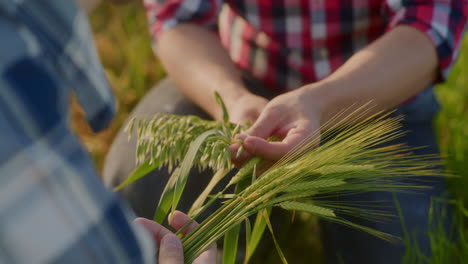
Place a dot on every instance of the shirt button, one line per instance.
(323, 52)
(296, 58)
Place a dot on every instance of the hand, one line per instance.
(170, 246)
(246, 108)
(293, 117)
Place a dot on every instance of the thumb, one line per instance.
(264, 125)
(171, 250)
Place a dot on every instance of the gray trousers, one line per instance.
(143, 195)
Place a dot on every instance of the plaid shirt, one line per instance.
(53, 206)
(288, 43)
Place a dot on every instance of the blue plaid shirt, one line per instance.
(53, 207)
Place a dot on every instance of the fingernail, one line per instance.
(171, 241)
(241, 136)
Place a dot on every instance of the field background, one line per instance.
(121, 36)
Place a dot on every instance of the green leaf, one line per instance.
(167, 196)
(197, 205)
(220, 101)
(270, 228)
(139, 172)
(257, 233)
(248, 237)
(231, 240)
(172, 192)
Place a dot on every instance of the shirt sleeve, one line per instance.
(165, 14)
(53, 206)
(443, 22)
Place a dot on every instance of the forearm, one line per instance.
(199, 65)
(391, 70)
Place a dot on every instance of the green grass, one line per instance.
(122, 39)
(444, 248)
(452, 128)
(452, 124)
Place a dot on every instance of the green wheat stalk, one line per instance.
(165, 139)
(351, 159)
(348, 162)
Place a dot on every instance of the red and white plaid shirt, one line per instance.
(288, 43)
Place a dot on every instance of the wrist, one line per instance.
(335, 101)
(236, 97)
(319, 96)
